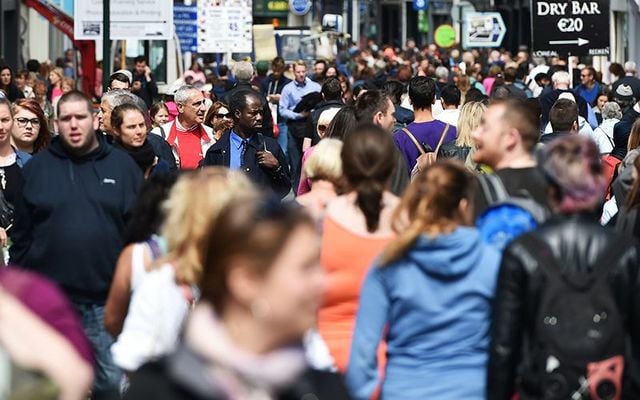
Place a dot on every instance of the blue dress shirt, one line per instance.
(235, 151)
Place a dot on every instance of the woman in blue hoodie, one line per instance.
(429, 298)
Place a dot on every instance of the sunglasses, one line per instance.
(219, 115)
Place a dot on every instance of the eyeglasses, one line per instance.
(22, 122)
(227, 115)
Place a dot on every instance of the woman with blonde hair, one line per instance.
(161, 302)
(324, 121)
(261, 288)
(429, 297)
(55, 91)
(324, 169)
(464, 84)
(470, 117)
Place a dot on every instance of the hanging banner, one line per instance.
(130, 19)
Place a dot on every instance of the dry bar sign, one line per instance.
(577, 27)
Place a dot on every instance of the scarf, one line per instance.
(144, 155)
(236, 372)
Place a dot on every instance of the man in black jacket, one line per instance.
(561, 81)
(271, 90)
(563, 118)
(566, 320)
(244, 148)
(142, 73)
(505, 141)
(331, 98)
(70, 219)
(244, 72)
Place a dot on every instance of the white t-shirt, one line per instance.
(449, 117)
(598, 136)
(156, 315)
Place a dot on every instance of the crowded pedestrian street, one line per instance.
(319, 199)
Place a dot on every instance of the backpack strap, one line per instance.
(414, 140)
(541, 251)
(442, 136)
(493, 189)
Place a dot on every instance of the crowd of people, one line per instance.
(399, 223)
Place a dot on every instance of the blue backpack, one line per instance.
(507, 217)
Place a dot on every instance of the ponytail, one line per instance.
(368, 160)
(430, 206)
(369, 200)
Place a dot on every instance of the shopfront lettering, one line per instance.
(577, 8)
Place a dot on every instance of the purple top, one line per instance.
(48, 302)
(427, 133)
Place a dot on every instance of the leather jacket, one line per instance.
(576, 241)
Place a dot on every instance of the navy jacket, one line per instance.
(548, 99)
(70, 218)
(162, 150)
(621, 132)
(278, 181)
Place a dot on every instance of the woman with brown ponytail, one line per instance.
(429, 297)
(356, 228)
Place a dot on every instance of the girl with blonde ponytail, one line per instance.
(429, 298)
(356, 227)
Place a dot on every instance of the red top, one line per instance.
(188, 144)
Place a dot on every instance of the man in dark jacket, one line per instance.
(564, 120)
(148, 88)
(244, 72)
(561, 81)
(622, 130)
(331, 98)
(271, 89)
(565, 318)
(505, 141)
(71, 216)
(245, 148)
(376, 107)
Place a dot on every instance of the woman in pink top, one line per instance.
(195, 75)
(332, 123)
(495, 74)
(55, 77)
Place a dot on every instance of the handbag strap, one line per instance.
(414, 140)
(444, 133)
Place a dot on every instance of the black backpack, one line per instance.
(579, 338)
